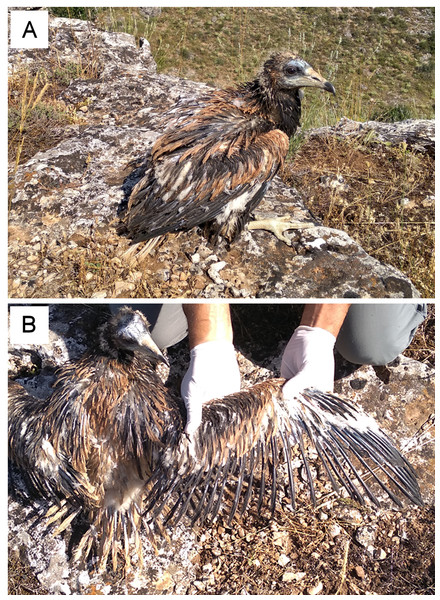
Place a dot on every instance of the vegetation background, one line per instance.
(381, 60)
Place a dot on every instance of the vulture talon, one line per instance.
(278, 226)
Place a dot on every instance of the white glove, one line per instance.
(213, 373)
(308, 361)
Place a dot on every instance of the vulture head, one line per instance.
(285, 72)
(126, 332)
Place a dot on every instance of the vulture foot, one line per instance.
(278, 226)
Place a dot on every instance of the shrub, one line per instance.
(392, 114)
(85, 14)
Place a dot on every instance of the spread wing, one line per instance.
(210, 160)
(244, 439)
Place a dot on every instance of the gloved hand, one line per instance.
(308, 361)
(213, 373)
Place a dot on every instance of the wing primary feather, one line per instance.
(274, 464)
(218, 477)
(323, 457)
(173, 510)
(163, 487)
(199, 509)
(248, 493)
(210, 493)
(354, 470)
(307, 468)
(375, 444)
(242, 468)
(220, 493)
(381, 451)
(400, 466)
(263, 475)
(188, 492)
(194, 503)
(339, 470)
(402, 480)
(180, 499)
(288, 457)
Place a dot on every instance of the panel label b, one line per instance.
(29, 325)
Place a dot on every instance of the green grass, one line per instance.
(377, 58)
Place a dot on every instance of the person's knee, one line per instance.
(374, 355)
(376, 334)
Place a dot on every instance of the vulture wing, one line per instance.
(245, 439)
(212, 159)
(109, 443)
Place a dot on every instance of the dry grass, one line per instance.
(37, 121)
(382, 196)
(250, 564)
(22, 580)
(245, 558)
(422, 347)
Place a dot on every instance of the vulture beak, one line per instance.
(132, 333)
(311, 78)
(151, 350)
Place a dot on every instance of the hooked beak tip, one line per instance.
(152, 350)
(329, 88)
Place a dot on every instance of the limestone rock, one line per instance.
(418, 134)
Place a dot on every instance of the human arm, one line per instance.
(213, 371)
(308, 360)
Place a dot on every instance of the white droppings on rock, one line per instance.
(289, 576)
(316, 243)
(316, 589)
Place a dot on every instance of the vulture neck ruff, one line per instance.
(283, 109)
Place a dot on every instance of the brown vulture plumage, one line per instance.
(108, 447)
(218, 154)
(92, 444)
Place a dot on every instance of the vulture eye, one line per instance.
(292, 70)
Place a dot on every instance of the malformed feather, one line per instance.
(258, 423)
(109, 446)
(218, 154)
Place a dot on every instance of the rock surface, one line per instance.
(400, 396)
(417, 134)
(65, 201)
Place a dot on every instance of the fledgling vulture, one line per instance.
(109, 446)
(218, 154)
(90, 447)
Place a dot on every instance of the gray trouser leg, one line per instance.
(374, 334)
(168, 324)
